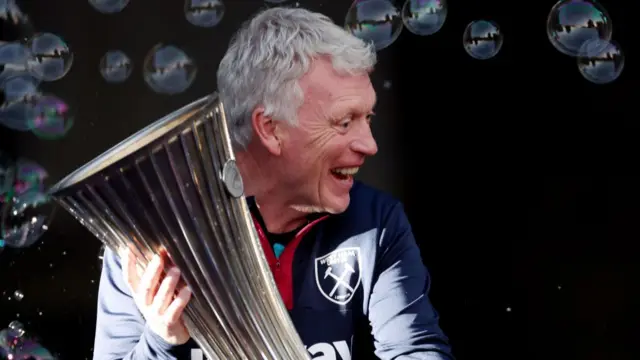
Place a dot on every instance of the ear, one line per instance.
(266, 131)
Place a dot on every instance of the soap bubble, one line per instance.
(601, 61)
(26, 213)
(14, 58)
(50, 58)
(18, 86)
(51, 117)
(115, 66)
(17, 112)
(482, 39)
(18, 295)
(424, 17)
(12, 18)
(375, 21)
(204, 13)
(17, 326)
(109, 6)
(168, 70)
(7, 177)
(572, 23)
(14, 345)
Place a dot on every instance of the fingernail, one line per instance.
(175, 271)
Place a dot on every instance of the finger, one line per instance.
(129, 271)
(166, 291)
(174, 311)
(149, 281)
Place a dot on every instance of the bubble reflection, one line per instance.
(16, 345)
(109, 6)
(11, 13)
(168, 70)
(18, 87)
(572, 23)
(14, 58)
(375, 21)
(50, 58)
(204, 13)
(25, 211)
(424, 17)
(482, 39)
(115, 66)
(600, 61)
(51, 119)
(16, 114)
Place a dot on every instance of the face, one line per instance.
(331, 140)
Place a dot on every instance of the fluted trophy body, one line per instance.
(174, 188)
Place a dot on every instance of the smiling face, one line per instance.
(330, 141)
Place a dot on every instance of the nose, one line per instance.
(365, 144)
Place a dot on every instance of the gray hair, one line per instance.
(270, 53)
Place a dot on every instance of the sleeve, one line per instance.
(121, 333)
(404, 323)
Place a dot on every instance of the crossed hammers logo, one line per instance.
(340, 280)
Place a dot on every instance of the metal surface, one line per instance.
(174, 186)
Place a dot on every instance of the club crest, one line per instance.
(338, 274)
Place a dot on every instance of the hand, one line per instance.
(154, 296)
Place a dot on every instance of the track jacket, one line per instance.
(354, 284)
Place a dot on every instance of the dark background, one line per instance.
(517, 174)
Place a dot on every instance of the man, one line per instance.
(299, 100)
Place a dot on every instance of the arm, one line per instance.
(121, 333)
(404, 323)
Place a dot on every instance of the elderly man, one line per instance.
(299, 102)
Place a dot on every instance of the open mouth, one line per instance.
(344, 174)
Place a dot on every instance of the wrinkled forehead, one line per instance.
(337, 92)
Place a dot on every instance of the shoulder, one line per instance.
(369, 209)
(368, 203)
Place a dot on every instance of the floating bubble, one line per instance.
(7, 178)
(18, 327)
(601, 61)
(18, 87)
(424, 17)
(482, 39)
(50, 58)
(168, 70)
(26, 212)
(11, 15)
(204, 13)
(18, 295)
(109, 6)
(25, 219)
(51, 118)
(375, 21)
(115, 66)
(17, 114)
(14, 58)
(572, 23)
(14, 345)
(29, 177)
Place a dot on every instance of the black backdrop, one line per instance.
(517, 174)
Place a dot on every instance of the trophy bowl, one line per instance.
(174, 188)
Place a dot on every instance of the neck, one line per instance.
(275, 208)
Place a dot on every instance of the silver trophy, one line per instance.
(174, 187)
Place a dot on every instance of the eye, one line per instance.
(370, 117)
(345, 123)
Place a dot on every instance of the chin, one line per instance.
(337, 205)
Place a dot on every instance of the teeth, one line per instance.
(346, 171)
